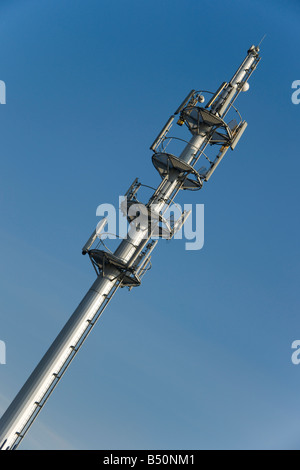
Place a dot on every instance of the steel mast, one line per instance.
(127, 265)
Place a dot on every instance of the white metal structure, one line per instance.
(127, 265)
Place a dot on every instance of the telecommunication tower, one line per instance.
(207, 128)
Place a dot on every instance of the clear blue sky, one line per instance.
(199, 357)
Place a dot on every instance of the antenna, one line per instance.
(126, 266)
(262, 39)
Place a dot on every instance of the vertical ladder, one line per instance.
(64, 367)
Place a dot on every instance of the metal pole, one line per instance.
(33, 395)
